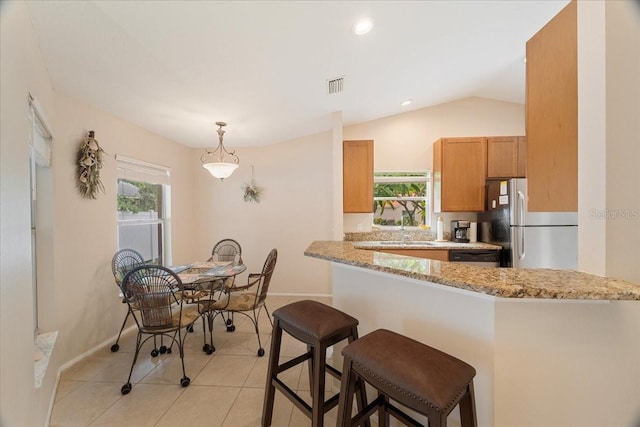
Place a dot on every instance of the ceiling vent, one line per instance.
(335, 85)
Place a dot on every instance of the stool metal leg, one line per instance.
(270, 390)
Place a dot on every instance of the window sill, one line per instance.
(44, 345)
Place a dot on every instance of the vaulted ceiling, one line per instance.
(177, 67)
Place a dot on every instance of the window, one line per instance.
(401, 198)
(40, 140)
(144, 196)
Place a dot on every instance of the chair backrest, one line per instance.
(265, 276)
(226, 250)
(124, 261)
(154, 292)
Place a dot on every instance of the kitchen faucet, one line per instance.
(405, 236)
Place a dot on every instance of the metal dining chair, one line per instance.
(231, 251)
(249, 299)
(122, 262)
(155, 296)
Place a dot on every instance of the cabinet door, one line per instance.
(435, 254)
(357, 176)
(522, 158)
(502, 157)
(463, 173)
(552, 115)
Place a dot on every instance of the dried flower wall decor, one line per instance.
(88, 165)
(252, 192)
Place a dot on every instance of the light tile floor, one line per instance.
(227, 387)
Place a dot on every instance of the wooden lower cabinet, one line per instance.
(435, 254)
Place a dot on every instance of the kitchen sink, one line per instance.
(406, 243)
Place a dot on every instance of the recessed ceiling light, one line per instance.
(363, 26)
(407, 102)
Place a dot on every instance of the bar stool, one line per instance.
(319, 326)
(415, 375)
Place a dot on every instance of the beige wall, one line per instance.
(609, 131)
(405, 141)
(295, 210)
(85, 230)
(623, 139)
(298, 205)
(83, 303)
(22, 71)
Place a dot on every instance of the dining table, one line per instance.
(204, 282)
(194, 275)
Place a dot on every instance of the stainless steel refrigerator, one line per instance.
(528, 239)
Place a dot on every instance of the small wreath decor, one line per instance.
(252, 192)
(88, 165)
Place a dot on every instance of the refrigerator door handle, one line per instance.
(520, 207)
(521, 230)
(521, 252)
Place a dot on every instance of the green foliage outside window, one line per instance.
(138, 196)
(399, 193)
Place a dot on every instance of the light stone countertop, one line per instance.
(499, 282)
(421, 244)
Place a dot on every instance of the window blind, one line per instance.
(41, 134)
(137, 170)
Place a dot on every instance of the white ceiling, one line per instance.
(177, 67)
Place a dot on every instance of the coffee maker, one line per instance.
(460, 231)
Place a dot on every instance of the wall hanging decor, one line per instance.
(252, 192)
(88, 165)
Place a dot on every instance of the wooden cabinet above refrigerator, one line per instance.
(506, 157)
(552, 115)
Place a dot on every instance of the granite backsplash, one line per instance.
(410, 234)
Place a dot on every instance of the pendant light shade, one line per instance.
(221, 170)
(219, 162)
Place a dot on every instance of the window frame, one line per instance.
(140, 171)
(41, 137)
(411, 176)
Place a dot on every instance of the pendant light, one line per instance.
(219, 162)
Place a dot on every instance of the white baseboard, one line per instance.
(297, 294)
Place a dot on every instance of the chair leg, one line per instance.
(468, 408)
(347, 388)
(255, 325)
(135, 359)
(383, 415)
(360, 388)
(185, 380)
(317, 413)
(268, 315)
(310, 365)
(270, 390)
(115, 347)
(211, 347)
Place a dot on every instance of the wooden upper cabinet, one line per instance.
(459, 173)
(552, 115)
(521, 170)
(506, 157)
(357, 176)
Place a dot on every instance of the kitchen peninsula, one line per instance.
(551, 347)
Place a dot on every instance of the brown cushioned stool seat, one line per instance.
(406, 371)
(319, 326)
